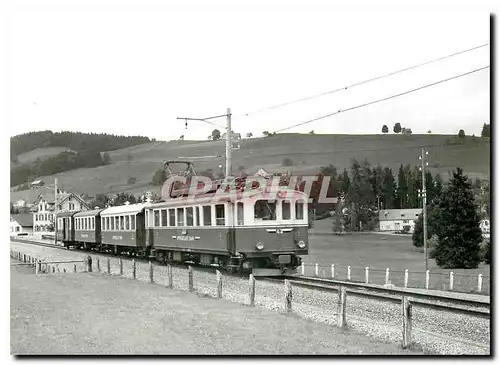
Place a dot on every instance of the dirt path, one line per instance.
(95, 314)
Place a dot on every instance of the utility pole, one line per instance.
(228, 135)
(228, 144)
(423, 194)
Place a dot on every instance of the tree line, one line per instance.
(77, 141)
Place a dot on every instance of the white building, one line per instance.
(21, 224)
(397, 219)
(43, 209)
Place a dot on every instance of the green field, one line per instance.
(381, 251)
(308, 153)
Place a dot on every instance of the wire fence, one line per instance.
(445, 281)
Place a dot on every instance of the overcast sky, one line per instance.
(133, 70)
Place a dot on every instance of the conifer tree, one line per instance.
(457, 226)
(402, 189)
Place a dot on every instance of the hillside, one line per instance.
(308, 153)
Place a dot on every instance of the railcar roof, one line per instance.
(215, 197)
(88, 213)
(123, 209)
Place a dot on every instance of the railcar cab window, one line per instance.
(220, 217)
(265, 210)
(286, 210)
(240, 214)
(164, 218)
(189, 217)
(156, 218)
(180, 216)
(171, 217)
(207, 215)
(299, 210)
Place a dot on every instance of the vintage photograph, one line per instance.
(240, 178)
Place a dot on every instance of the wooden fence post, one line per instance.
(387, 271)
(53, 269)
(151, 279)
(133, 269)
(348, 273)
(367, 275)
(303, 267)
(108, 264)
(219, 284)
(427, 279)
(251, 286)
(333, 271)
(37, 267)
(190, 278)
(58, 270)
(98, 265)
(406, 278)
(74, 268)
(121, 266)
(341, 315)
(89, 263)
(64, 270)
(451, 280)
(288, 296)
(170, 282)
(24, 258)
(479, 283)
(316, 270)
(406, 304)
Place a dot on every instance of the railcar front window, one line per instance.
(171, 217)
(265, 210)
(220, 219)
(189, 216)
(180, 216)
(207, 215)
(241, 217)
(157, 218)
(164, 218)
(286, 210)
(299, 210)
(197, 215)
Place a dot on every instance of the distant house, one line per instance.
(398, 219)
(43, 209)
(21, 224)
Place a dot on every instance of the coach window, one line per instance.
(127, 223)
(189, 217)
(132, 222)
(220, 219)
(180, 216)
(299, 210)
(240, 214)
(207, 215)
(197, 216)
(122, 223)
(117, 223)
(164, 218)
(171, 217)
(157, 218)
(264, 210)
(286, 210)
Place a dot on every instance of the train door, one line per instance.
(65, 229)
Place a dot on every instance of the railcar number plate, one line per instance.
(284, 259)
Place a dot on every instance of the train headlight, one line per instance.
(301, 244)
(259, 246)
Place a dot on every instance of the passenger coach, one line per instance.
(122, 229)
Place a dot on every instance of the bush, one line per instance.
(131, 180)
(287, 162)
